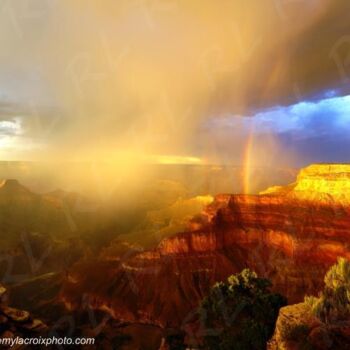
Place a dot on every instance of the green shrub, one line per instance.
(333, 304)
(240, 313)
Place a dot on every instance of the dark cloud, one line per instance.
(292, 64)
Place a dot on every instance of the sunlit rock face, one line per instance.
(290, 235)
(298, 328)
(322, 182)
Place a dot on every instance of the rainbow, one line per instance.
(247, 153)
(247, 161)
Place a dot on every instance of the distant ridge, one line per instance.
(12, 185)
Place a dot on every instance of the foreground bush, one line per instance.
(240, 313)
(333, 304)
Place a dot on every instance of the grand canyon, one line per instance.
(289, 234)
(175, 174)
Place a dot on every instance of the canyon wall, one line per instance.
(290, 235)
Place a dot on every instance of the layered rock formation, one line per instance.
(297, 328)
(290, 235)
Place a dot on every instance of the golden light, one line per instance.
(173, 159)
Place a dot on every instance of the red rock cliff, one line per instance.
(289, 234)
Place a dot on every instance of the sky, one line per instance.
(175, 80)
(310, 131)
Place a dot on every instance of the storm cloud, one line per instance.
(93, 79)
